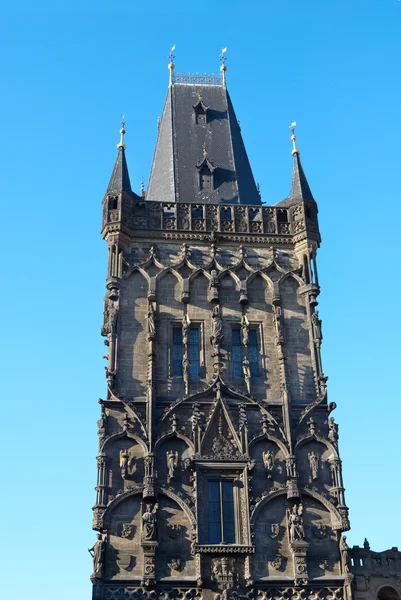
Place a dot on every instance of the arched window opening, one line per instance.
(113, 202)
(282, 215)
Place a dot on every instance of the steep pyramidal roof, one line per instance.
(300, 190)
(199, 120)
(119, 180)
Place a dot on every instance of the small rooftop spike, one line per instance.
(119, 180)
(223, 67)
(171, 64)
(300, 189)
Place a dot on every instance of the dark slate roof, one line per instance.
(174, 175)
(300, 190)
(119, 180)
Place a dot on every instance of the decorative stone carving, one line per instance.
(124, 461)
(274, 530)
(316, 326)
(268, 462)
(224, 570)
(276, 562)
(149, 522)
(97, 553)
(127, 529)
(296, 523)
(313, 459)
(186, 323)
(110, 318)
(151, 327)
(173, 530)
(333, 430)
(217, 329)
(290, 466)
(175, 564)
(172, 462)
(245, 330)
(344, 552)
(312, 426)
(246, 369)
(319, 530)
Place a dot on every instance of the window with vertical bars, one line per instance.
(221, 525)
(176, 370)
(236, 353)
(193, 352)
(253, 352)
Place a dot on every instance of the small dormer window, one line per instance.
(205, 178)
(200, 110)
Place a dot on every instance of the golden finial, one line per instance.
(122, 132)
(223, 67)
(293, 138)
(204, 150)
(171, 64)
(199, 94)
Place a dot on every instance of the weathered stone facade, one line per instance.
(254, 417)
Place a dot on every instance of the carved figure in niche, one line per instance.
(185, 329)
(151, 322)
(110, 318)
(97, 553)
(296, 523)
(102, 422)
(290, 466)
(277, 320)
(246, 369)
(333, 430)
(313, 459)
(124, 460)
(268, 461)
(185, 368)
(214, 280)
(217, 329)
(316, 326)
(245, 330)
(344, 551)
(172, 462)
(312, 426)
(149, 522)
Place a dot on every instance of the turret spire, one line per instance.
(300, 189)
(223, 67)
(171, 64)
(119, 180)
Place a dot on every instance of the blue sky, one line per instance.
(68, 72)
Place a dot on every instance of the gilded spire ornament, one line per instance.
(293, 138)
(171, 64)
(223, 67)
(121, 143)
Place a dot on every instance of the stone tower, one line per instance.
(219, 473)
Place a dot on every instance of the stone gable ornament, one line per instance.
(124, 560)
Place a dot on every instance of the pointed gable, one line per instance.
(220, 439)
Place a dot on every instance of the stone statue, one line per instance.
(313, 459)
(312, 426)
(245, 330)
(246, 369)
(296, 523)
(97, 553)
(110, 318)
(316, 326)
(185, 368)
(151, 322)
(214, 280)
(344, 551)
(268, 461)
(149, 522)
(333, 430)
(277, 319)
(217, 328)
(185, 330)
(172, 462)
(124, 459)
(290, 466)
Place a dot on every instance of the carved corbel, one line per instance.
(152, 290)
(185, 290)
